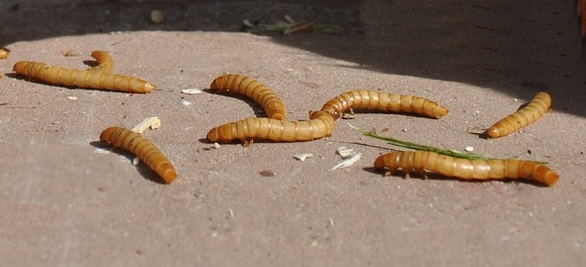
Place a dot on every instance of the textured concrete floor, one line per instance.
(68, 201)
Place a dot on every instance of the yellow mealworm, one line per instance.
(141, 147)
(4, 53)
(540, 104)
(423, 161)
(82, 78)
(380, 101)
(271, 129)
(105, 62)
(266, 97)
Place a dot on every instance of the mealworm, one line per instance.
(424, 161)
(272, 129)
(266, 97)
(4, 53)
(82, 78)
(540, 104)
(105, 62)
(141, 147)
(380, 101)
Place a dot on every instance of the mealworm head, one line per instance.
(546, 176)
(532, 112)
(493, 132)
(149, 87)
(213, 135)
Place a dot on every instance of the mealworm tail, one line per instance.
(423, 161)
(538, 106)
(141, 147)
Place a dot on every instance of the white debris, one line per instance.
(151, 122)
(185, 102)
(135, 161)
(345, 152)
(216, 145)
(101, 151)
(469, 148)
(247, 23)
(72, 97)
(191, 91)
(303, 156)
(347, 162)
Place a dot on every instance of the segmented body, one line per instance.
(272, 129)
(82, 78)
(540, 104)
(105, 62)
(385, 102)
(423, 161)
(261, 94)
(146, 151)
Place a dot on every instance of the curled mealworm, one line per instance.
(424, 161)
(261, 94)
(100, 80)
(4, 53)
(380, 101)
(272, 129)
(105, 62)
(141, 147)
(540, 104)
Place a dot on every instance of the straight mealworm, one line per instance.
(82, 78)
(141, 147)
(380, 101)
(540, 104)
(261, 94)
(424, 161)
(272, 129)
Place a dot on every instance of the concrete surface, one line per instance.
(67, 202)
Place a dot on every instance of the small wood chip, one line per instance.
(69, 53)
(347, 162)
(345, 152)
(72, 97)
(151, 122)
(267, 173)
(185, 102)
(191, 91)
(303, 156)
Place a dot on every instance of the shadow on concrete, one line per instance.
(515, 47)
